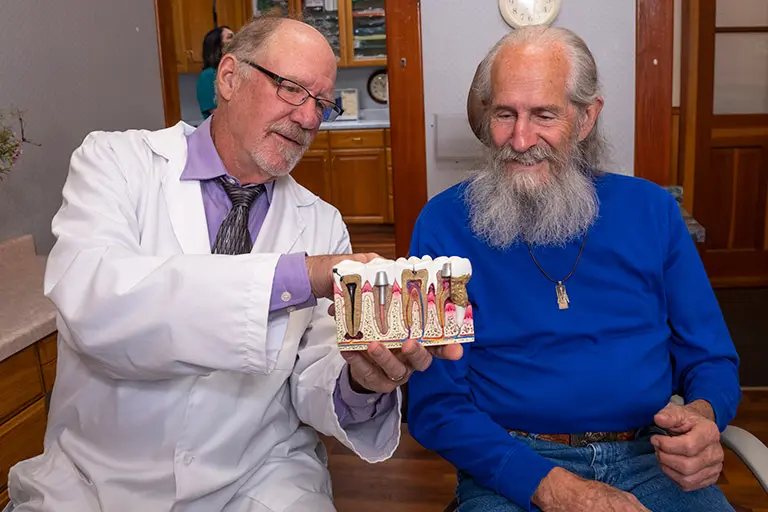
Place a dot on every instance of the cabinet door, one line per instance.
(179, 36)
(313, 172)
(21, 437)
(366, 33)
(324, 16)
(359, 178)
(198, 20)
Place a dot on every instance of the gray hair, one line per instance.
(250, 40)
(583, 83)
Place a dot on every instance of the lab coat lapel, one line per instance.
(283, 225)
(184, 199)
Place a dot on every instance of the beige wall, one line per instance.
(74, 66)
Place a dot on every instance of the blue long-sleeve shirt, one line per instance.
(643, 323)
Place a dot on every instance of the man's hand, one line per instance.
(380, 370)
(320, 270)
(563, 491)
(694, 457)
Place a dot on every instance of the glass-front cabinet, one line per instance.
(355, 29)
(324, 16)
(368, 33)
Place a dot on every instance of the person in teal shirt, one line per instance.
(213, 45)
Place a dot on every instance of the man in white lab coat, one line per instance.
(191, 273)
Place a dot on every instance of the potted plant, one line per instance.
(10, 142)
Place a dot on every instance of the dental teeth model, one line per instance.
(391, 301)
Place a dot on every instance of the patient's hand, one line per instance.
(694, 457)
(563, 491)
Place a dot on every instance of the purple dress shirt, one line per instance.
(204, 165)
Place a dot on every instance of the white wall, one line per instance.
(73, 66)
(456, 34)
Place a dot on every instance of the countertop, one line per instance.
(360, 124)
(26, 315)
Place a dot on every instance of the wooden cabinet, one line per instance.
(192, 19)
(26, 379)
(360, 185)
(314, 172)
(21, 437)
(351, 170)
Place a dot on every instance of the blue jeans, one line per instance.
(630, 466)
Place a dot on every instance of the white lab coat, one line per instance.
(176, 390)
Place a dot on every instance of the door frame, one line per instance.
(654, 40)
(166, 52)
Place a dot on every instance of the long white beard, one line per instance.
(508, 207)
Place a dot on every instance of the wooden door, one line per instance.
(359, 180)
(179, 36)
(724, 122)
(314, 173)
(198, 21)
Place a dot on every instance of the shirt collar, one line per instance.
(203, 161)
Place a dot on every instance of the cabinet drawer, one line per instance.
(20, 381)
(321, 140)
(389, 157)
(21, 437)
(357, 139)
(387, 137)
(47, 348)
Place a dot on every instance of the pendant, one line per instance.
(562, 296)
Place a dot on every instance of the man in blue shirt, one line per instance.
(591, 305)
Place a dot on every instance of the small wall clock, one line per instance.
(520, 13)
(378, 86)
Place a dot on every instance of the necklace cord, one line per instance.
(578, 258)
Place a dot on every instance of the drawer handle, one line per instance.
(357, 139)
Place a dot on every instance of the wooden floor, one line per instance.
(417, 480)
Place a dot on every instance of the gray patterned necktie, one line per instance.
(233, 236)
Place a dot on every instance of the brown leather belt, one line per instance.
(581, 440)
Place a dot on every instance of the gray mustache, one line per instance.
(530, 156)
(303, 137)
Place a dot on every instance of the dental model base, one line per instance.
(392, 301)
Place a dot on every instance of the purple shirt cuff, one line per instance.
(352, 407)
(290, 286)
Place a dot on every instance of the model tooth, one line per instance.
(391, 301)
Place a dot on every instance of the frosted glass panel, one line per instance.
(742, 13)
(741, 73)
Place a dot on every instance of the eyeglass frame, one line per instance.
(279, 80)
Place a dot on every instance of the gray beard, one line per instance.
(508, 207)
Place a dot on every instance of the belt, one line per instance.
(581, 440)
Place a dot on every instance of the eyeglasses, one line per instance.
(296, 94)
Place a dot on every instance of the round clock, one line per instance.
(378, 86)
(519, 13)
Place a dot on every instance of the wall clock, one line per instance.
(520, 13)
(378, 86)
